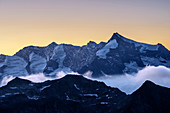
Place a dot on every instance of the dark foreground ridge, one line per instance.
(76, 94)
(150, 98)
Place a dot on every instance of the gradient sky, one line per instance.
(40, 22)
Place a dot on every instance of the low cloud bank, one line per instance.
(36, 78)
(127, 83)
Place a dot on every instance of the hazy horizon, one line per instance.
(40, 22)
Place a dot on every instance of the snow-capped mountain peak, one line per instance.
(142, 46)
(118, 55)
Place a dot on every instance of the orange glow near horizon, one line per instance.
(40, 22)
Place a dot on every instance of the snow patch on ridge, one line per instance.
(44, 87)
(59, 55)
(15, 66)
(111, 45)
(1, 64)
(155, 61)
(38, 63)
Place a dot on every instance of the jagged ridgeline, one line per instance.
(118, 55)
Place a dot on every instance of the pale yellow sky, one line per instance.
(40, 22)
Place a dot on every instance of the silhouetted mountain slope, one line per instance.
(79, 95)
(150, 98)
(69, 94)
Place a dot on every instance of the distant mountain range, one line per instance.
(118, 55)
(76, 94)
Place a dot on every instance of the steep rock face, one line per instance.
(118, 55)
(122, 55)
(77, 57)
(150, 98)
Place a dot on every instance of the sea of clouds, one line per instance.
(127, 83)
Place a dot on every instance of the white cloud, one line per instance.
(129, 83)
(5, 80)
(36, 78)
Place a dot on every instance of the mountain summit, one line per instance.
(118, 55)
